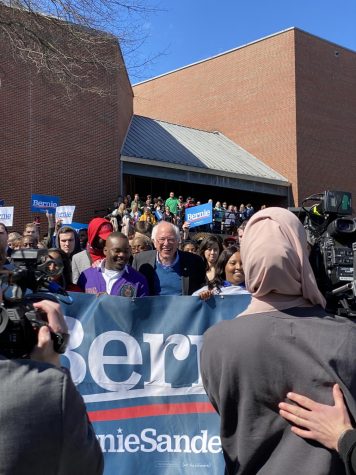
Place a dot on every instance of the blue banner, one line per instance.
(78, 226)
(2, 202)
(136, 363)
(198, 215)
(42, 203)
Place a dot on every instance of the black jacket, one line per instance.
(347, 452)
(192, 270)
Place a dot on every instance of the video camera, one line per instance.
(331, 232)
(30, 281)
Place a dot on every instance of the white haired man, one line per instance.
(168, 270)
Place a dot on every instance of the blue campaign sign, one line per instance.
(42, 203)
(78, 226)
(136, 363)
(198, 215)
(2, 202)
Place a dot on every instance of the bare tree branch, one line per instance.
(74, 42)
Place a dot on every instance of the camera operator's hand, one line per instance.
(44, 351)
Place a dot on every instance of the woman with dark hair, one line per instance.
(190, 246)
(229, 276)
(62, 269)
(210, 249)
(144, 228)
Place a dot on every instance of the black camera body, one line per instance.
(19, 320)
(332, 254)
(331, 232)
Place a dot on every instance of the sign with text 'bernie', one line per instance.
(7, 215)
(43, 203)
(78, 226)
(198, 215)
(136, 363)
(65, 214)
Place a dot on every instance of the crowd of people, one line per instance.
(140, 248)
(226, 217)
(282, 346)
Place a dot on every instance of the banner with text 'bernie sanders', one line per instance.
(136, 363)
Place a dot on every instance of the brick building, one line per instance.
(55, 146)
(288, 99)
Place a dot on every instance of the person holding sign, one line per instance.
(229, 277)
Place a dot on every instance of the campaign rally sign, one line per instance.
(7, 215)
(2, 202)
(136, 363)
(43, 203)
(78, 226)
(198, 215)
(65, 214)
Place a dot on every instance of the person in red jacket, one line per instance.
(98, 231)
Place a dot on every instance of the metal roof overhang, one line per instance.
(203, 176)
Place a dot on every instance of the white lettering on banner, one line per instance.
(44, 204)
(149, 441)
(202, 214)
(197, 340)
(97, 360)
(155, 383)
(158, 350)
(77, 362)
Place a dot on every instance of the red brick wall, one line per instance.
(52, 145)
(326, 116)
(248, 94)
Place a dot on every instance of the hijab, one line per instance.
(276, 263)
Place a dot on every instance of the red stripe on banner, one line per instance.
(150, 410)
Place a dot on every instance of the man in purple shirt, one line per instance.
(114, 276)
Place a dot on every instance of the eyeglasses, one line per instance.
(169, 240)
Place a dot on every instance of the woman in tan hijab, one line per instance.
(283, 342)
(276, 262)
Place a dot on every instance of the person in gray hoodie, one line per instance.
(67, 239)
